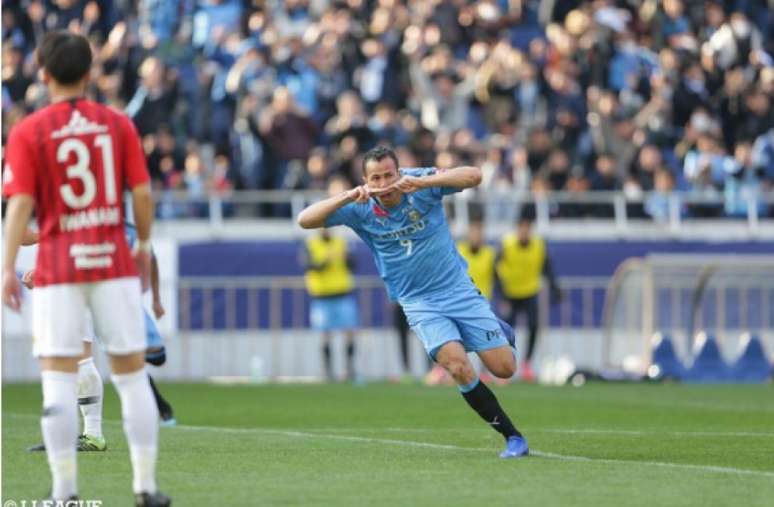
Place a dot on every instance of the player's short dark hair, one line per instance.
(66, 56)
(378, 154)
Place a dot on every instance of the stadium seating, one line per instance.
(665, 124)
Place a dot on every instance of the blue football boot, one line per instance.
(516, 447)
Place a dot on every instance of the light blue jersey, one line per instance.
(412, 246)
(418, 261)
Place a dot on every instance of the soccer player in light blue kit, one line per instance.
(399, 214)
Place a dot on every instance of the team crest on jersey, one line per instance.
(414, 215)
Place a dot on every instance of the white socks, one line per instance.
(90, 391)
(63, 391)
(141, 425)
(60, 430)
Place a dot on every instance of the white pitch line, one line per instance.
(549, 455)
(568, 431)
(430, 445)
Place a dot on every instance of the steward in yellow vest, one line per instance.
(328, 276)
(521, 265)
(327, 266)
(480, 258)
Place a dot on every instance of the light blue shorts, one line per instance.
(462, 315)
(333, 313)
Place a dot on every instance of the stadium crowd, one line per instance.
(640, 96)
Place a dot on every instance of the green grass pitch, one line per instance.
(395, 445)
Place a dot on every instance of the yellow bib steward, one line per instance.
(481, 266)
(520, 267)
(334, 278)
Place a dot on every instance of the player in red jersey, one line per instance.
(71, 161)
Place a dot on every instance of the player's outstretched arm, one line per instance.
(458, 177)
(314, 216)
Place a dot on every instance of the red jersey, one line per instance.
(76, 158)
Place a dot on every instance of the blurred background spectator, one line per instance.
(549, 95)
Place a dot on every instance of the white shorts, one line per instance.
(59, 324)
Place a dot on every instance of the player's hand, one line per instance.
(379, 191)
(158, 309)
(359, 194)
(11, 290)
(29, 279)
(143, 261)
(407, 184)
